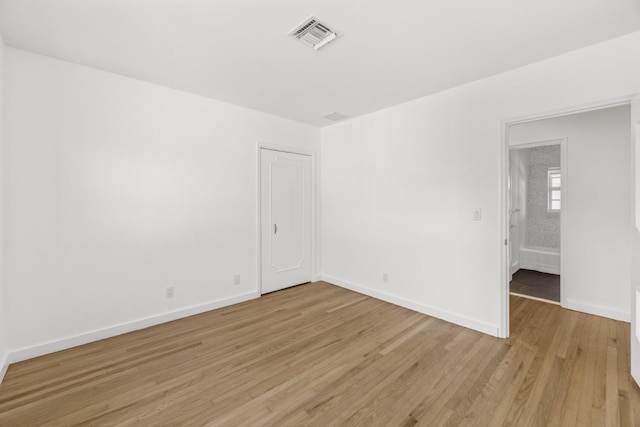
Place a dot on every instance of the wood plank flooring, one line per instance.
(320, 355)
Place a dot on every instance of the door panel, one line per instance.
(286, 219)
(514, 196)
(635, 244)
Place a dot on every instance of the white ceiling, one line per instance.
(238, 51)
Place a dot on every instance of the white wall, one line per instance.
(118, 189)
(518, 172)
(517, 182)
(3, 305)
(597, 199)
(400, 185)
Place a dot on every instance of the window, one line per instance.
(553, 199)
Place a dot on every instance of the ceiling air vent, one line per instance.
(313, 33)
(335, 117)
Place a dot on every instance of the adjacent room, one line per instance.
(535, 186)
(550, 224)
(319, 213)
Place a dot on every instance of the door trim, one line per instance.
(503, 331)
(261, 145)
(563, 143)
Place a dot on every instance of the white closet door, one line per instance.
(286, 219)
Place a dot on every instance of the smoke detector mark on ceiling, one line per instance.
(335, 117)
(313, 33)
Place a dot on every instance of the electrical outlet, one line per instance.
(477, 215)
(169, 292)
(236, 279)
(385, 277)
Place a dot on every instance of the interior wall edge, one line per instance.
(448, 316)
(3, 304)
(20, 354)
(4, 365)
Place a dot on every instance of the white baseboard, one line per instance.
(4, 365)
(30, 352)
(611, 313)
(543, 268)
(515, 267)
(448, 316)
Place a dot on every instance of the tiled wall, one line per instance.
(543, 228)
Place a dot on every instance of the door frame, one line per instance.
(505, 124)
(261, 145)
(563, 143)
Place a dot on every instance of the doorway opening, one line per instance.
(593, 196)
(535, 195)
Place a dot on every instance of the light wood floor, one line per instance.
(321, 355)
